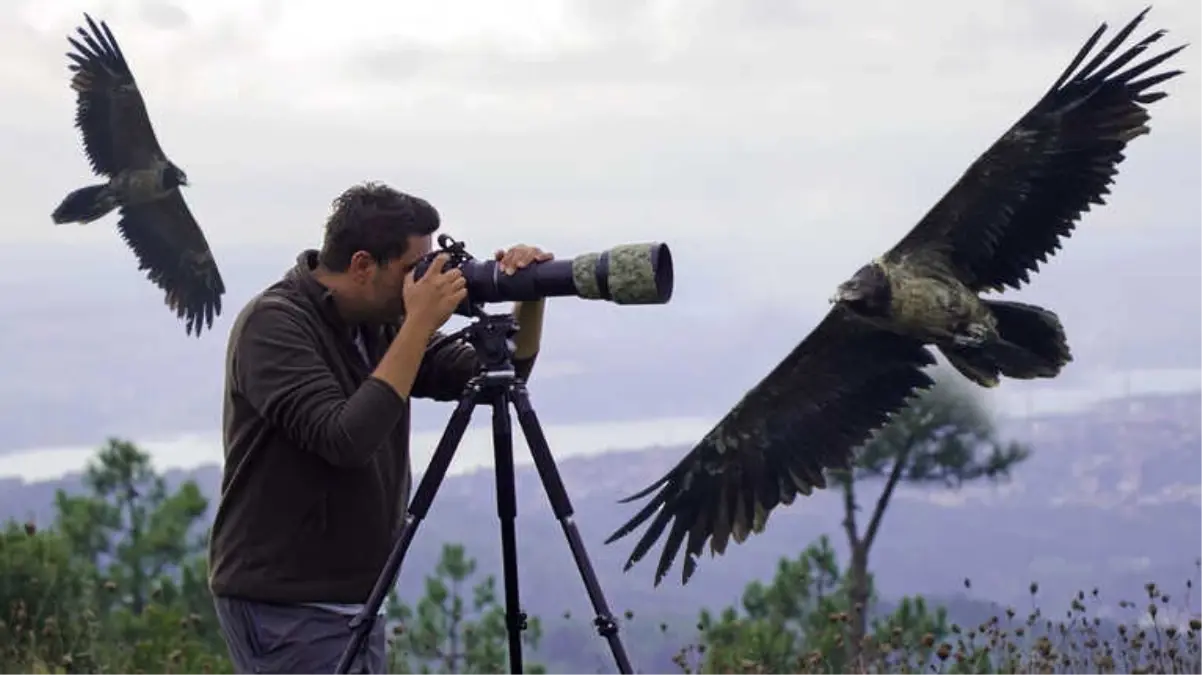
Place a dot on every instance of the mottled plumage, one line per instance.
(866, 358)
(142, 182)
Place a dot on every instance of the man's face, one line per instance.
(382, 297)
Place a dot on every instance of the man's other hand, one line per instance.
(518, 257)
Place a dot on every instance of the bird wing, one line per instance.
(109, 111)
(1014, 204)
(808, 414)
(173, 250)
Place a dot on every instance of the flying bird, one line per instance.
(142, 182)
(864, 361)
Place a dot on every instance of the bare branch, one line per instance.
(849, 508)
(882, 502)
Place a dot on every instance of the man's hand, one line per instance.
(519, 257)
(431, 300)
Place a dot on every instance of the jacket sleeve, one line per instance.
(449, 364)
(277, 369)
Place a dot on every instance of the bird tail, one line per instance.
(1032, 345)
(85, 205)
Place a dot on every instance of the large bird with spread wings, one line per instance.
(866, 358)
(142, 182)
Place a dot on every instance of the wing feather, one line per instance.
(807, 415)
(1015, 204)
(109, 111)
(173, 251)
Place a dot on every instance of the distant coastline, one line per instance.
(1020, 400)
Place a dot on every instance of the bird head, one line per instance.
(176, 177)
(866, 292)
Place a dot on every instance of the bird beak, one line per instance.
(844, 294)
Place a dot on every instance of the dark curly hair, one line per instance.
(375, 218)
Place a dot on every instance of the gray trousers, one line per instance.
(269, 638)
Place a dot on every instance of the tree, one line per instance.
(799, 623)
(128, 525)
(945, 437)
(141, 548)
(443, 635)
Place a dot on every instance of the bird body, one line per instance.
(138, 186)
(132, 188)
(1006, 214)
(932, 306)
(142, 182)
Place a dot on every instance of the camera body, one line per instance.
(629, 274)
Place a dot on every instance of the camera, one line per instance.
(629, 274)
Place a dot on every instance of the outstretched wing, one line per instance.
(172, 249)
(807, 415)
(1010, 210)
(109, 110)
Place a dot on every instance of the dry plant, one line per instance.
(1160, 636)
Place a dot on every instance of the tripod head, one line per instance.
(491, 335)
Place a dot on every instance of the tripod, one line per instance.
(498, 386)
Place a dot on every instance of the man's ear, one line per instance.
(362, 265)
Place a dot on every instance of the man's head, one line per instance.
(373, 238)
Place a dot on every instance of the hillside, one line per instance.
(1110, 499)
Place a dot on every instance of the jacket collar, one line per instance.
(301, 276)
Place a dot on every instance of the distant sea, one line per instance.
(189, 450)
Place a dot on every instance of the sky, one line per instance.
(743, 134)
(776, 145)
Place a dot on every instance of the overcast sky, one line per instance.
(815, 131)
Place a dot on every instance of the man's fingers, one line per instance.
(436, 265)
(440, 278)
(458, 283)
(528, 256)
(520, 257)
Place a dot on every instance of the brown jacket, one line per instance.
(317, 474)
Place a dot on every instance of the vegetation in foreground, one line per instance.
(118, 584)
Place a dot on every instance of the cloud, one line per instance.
(735, 131)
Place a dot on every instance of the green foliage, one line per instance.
(127, 524)
(120, 584)
(802, 615)
(43, 593)
(446, 635)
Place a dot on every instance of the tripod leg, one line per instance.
(562, 507)
(507, 511)
(419, 506)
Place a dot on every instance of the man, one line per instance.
(320, 368)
